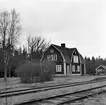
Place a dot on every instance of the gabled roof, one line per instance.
(67, 52)
(101, 66)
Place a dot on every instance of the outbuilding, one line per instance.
(100, 70)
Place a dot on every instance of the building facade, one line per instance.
(67, 61)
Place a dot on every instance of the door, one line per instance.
(68, 69)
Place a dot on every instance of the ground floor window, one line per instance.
(58, 68)
(78, 68)
(75, 68)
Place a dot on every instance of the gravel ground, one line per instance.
(43, 94)
(16, 82)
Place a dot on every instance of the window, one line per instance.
(58, 68)
(75, 59)
(52, 57)
(73, 68)
(78, 68)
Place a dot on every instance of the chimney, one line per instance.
(63, 45)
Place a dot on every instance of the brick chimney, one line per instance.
(63, 45)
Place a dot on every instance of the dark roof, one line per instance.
(67, 52)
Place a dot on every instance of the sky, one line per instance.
(77, 23)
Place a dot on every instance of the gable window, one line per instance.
(58, 68)
(75, 59)
(52, 57)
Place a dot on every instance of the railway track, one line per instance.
(65, 98)
(36, 89)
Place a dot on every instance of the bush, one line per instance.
(35, 72)
(47, 71)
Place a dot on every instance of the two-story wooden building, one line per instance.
(67, 61)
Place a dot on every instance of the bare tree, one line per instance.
(36, 45)
(4, 23)
(10, 29)
(15, 28)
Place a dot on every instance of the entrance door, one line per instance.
(68, 69)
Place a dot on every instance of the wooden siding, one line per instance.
(59, 58)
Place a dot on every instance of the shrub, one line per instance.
(47, 71)
(35, 72)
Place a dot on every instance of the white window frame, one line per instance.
(58, 68)
(75, 59)
(52, 57)
(78, 68)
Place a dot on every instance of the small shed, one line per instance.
(101, 70)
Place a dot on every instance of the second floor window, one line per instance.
(75, 59)
(52, 57)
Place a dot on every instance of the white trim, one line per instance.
(44, 52)
(60, 52)
(99, 66)
(58, 68)
(72, 54)
(77, 74)
(60, 75)
(52, 55)
(64, 68)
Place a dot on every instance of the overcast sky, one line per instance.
(78, 23)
